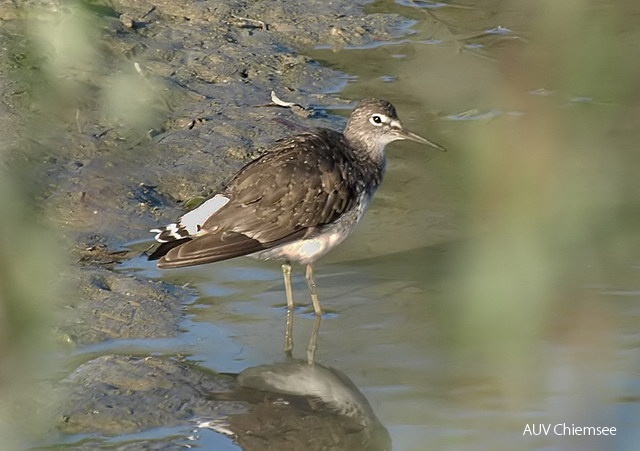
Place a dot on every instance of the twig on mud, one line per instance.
(78, 125)
(295, 107)
(245, 22)
(152, 9)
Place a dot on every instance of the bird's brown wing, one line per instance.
(302, 184)
(214, 247)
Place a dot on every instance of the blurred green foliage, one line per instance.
(551, 205)
(58, 79)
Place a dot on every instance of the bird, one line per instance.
(295, 203)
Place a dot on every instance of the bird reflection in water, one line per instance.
(295, 405)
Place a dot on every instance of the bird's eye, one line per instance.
(376, 119)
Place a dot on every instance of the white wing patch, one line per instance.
(162, 235)
(193, 220)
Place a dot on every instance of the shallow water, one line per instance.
(392, 290)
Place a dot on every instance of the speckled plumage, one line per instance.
(296, 202)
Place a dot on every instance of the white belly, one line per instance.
(308, 250)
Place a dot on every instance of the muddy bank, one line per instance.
(172, 98)
(109, 305)
(120, 394)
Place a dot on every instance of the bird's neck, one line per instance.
(372, 162)
(366, 150)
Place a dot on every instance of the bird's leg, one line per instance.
(288, 338)
(311, 283)
(313, 341)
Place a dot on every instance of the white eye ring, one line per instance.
(378, 119)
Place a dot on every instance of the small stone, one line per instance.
(127, 21)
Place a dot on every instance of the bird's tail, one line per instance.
(165, 247)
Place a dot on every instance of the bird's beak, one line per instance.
(403, 133)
